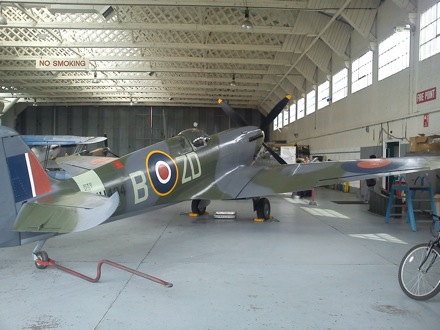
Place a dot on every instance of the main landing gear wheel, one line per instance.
(419, 274)
(198, 206)
(262, 206)
(41, 255)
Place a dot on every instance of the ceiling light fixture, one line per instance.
(95, 77)
(407, 27)
(233, 83)
(107, 12)
(3, 20)
(413, 18)
(151, 73)
(35, 102)
(246, 25)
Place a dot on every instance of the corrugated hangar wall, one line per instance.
(128, 128)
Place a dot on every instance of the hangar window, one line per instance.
(278, 122)
(281, 120)
(285, 113)
(430, 32)
(292, 111)
(311, 102)
(340, 85)
(362, 72)
(300, 108)
(393, 54)
(275, 124)
(323, 94)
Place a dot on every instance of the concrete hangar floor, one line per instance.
(329, 266)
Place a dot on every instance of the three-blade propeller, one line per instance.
(237, 119)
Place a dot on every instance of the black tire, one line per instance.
(263, 208)
(195, 207)
(41, 255)
(420, 284)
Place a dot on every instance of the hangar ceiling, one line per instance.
(163, 52)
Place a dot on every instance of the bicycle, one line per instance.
(419, 271)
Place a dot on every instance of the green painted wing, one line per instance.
(75, 165)
(266, 181)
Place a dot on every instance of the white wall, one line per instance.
(385, 110)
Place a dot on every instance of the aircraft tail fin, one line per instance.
(23, 178)
(28, 178)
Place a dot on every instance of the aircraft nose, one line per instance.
(252, 137)
(257, 137)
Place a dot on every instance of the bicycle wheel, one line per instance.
(420, 282)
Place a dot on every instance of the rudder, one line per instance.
(23, 178)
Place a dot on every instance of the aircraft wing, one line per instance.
(75, 165)
(266, 181)
(65, 213)
(44, 140)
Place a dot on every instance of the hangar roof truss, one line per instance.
(163, 52)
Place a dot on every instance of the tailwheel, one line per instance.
(41, 255)
(262, 206)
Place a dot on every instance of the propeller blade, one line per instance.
(275, 112)
(274, 154)
(236, 118)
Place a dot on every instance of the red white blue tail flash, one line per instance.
(27, 177)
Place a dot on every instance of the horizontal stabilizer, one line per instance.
(65, 213)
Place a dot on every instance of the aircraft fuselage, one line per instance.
(173, 170)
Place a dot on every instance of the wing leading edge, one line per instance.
(65, 213)
(296, 177)
(44, 140)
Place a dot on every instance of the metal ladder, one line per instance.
(410, 193)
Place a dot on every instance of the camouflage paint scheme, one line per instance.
(189, 166)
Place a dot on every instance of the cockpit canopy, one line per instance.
(196, 137)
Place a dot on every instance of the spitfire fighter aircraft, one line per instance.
(191, 166)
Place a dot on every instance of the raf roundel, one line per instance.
(373, 166)
(162, 172)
